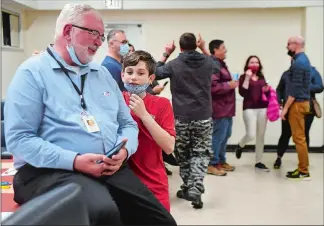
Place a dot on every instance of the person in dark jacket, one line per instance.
(223, 102)
(316, 86)
(298, 97)
(190, 79)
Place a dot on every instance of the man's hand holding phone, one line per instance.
(99, 165)
(116, 160)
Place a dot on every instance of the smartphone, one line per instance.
(114, 150)
(165, 83)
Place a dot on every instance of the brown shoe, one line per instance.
(216, 171)
(227, 167)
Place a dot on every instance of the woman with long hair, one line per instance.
(252, 85)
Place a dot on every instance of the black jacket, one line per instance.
(190, 80)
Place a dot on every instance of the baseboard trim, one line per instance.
(273, 148)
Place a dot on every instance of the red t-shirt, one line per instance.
(147, 162)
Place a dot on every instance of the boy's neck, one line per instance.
(142, 95)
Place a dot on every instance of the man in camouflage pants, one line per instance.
(190, 78)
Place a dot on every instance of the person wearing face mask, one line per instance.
(297, 104)
(316, 86)
(64, 114)
(252, 85)
(155, 120)
(118, 48)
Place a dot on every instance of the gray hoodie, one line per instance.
(190, 80)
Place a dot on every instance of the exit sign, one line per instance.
(113, 4)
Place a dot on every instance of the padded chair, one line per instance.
(4, 153)
(61, 206)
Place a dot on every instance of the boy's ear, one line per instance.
(122, 76)
(152, 78)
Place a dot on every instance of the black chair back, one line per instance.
(60, 206)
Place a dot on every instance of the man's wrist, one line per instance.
(165, 57)
(75, 162)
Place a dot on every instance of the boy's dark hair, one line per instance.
(188, 42)
(214, 44)
(137, 56)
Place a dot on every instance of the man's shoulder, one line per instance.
(302, 60)
(215, 62)
(110, 62)
(97, 67)
(102, 71)
(35, 63)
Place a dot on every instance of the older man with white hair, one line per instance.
(49, 103)
(297, 105)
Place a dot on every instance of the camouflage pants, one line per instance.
(193, 148)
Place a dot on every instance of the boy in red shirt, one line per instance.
(154, 116)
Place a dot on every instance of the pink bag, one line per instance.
(273, 110)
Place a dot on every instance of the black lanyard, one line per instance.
(66, 72)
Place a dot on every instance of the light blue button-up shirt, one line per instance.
(43, 125)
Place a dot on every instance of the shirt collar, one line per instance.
(297, 55)
(91, 66)
(221, 61)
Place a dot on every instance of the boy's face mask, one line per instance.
(136, 89)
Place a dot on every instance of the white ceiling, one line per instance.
(171, 4)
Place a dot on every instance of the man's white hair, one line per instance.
(71, 14)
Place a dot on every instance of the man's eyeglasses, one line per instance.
(122, 42)
(94, 33)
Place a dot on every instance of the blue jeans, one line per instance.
(222, 130)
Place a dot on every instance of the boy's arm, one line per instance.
(163, 132)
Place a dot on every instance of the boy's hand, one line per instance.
(136, 104)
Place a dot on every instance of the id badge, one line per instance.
(90, 123)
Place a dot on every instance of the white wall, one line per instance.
(263, 32)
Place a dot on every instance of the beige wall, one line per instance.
(11, 58)
(313, 31)
(263, 32)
